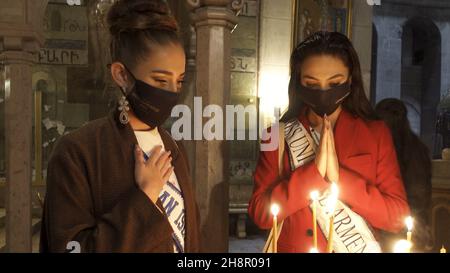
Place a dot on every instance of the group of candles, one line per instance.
(330, 209)
(402, 246)
(405, 246)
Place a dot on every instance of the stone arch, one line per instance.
(421, 74)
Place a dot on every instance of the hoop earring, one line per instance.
(124, 108)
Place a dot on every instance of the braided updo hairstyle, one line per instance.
(137, 26)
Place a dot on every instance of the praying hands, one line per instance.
(326, 160)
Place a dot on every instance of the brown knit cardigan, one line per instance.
(92, 197)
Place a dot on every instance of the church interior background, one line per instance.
(54, 79)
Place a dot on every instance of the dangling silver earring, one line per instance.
(124, 108)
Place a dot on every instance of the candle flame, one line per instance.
(402, 246)
(443, 250)
(409, 223)
(275, 209)
(332, 198)
(334, 189)
(314, 195)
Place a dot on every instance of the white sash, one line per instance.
(351, 232)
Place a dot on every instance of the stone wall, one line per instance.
(395, 77)
(275, 46)
(262, 43)
(361, 36)
(389, 19)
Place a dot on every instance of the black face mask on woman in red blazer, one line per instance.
(324, 101)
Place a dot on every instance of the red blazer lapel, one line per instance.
(345, 132)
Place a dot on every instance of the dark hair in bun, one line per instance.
(136, 26)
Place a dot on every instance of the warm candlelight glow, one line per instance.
(443, 250)
(332, 199)
(331, 206)
(313, 250)
(275, 209)
(409, 221)
(314, 195)
(402, 246)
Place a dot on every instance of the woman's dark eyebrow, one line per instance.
(331, 78)
(166, 72)
(162, 72)
(310, 77)
(336, 76)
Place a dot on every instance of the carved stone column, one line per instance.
(189, 92)
(213, 21)
(21, 35)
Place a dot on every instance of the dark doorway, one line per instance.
(421, 76)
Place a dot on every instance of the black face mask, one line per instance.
(150, 104)
(324, 101)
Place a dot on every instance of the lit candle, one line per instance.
(313, 250)
(331, 206)
(402, 246)
(275, 209)
(443, 250)
(314, 196)
(409, 225)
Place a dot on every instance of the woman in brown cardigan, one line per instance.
(121, 183)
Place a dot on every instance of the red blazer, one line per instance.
(370, 183)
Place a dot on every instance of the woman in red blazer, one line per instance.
(326, 94)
